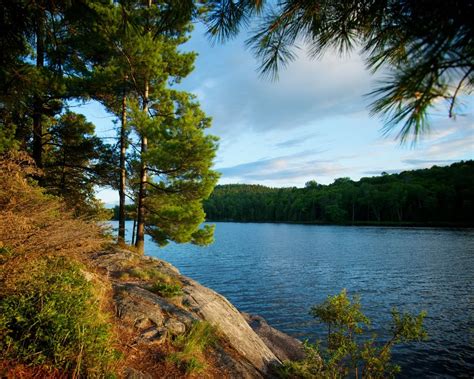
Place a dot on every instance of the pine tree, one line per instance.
(426, 47)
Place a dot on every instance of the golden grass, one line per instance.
(32, 222)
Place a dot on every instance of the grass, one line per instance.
(162, 284)
(144, 273)
(191, 347)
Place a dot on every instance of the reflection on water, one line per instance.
(279, 271)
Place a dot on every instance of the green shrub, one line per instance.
(51, 316)
(191, 347)
(163, 284)
(166, 290)
(344, 355)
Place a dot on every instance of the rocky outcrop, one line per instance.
(217, 310)
(282, 345)
(250, 348)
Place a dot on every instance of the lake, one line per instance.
(279, 271)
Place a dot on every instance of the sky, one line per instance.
(312, 123)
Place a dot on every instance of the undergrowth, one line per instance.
(166, 290)
(50, 316)
(192, 346)
(162, 284)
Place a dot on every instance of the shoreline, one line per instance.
(444, 225)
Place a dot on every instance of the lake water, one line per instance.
(279, 271)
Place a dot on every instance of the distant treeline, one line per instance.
(435, 196)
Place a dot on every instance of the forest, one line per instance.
(127, 58)
(434, 196)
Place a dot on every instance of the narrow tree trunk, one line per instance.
(134, 228)
(37, 102)
(140, 242)
(123, 172)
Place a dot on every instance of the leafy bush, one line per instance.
(50, 316)
(191, 347)
(343, 355)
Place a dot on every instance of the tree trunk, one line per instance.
(123, 172)
(134, 228)
(140, 241)
(37, 102)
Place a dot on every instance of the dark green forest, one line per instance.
(434, 196)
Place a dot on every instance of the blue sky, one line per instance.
(311, 124)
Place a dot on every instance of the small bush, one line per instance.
(50, 316)
(166, 290)
(344, 355)
(191, 347)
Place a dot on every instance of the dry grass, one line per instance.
(12, 369)
(34, 223)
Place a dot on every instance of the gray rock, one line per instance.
(175, 327)
(241, 353)
(135, 304)
(235, 368)
(282, 345)
(153, 335)
(218, 311)
(136, 309)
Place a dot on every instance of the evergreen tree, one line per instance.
(131, 64)
(75, 160)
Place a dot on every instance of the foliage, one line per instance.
(50, 316)
(166, 289)
(75, 160)
(191, 347)
(426, 48)
(121, 54)
(130, 210)
(345, 355)
(179, 160)
(439, 195)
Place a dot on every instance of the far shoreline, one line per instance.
(408, 224)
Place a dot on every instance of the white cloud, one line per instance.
(231, 91)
